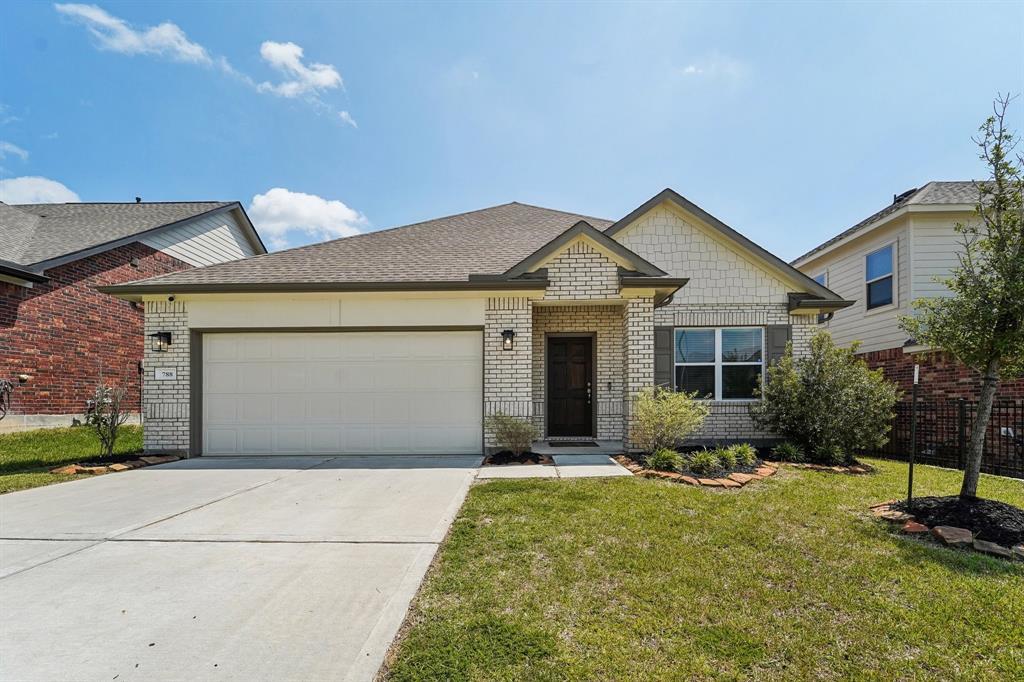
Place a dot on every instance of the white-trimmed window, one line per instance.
(878, 279)
(822, 279)
(722, 363)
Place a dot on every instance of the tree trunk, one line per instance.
(972, 465)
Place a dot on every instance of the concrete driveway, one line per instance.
(269, 568)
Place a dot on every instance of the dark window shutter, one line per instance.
(663, 354)
(776, 338)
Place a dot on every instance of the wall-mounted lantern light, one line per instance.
(161, 342)
(508, 339)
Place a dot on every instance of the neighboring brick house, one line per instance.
(60, 336)
(403, 340)
(885, 262)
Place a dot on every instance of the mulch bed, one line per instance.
(506, 457)
(990, 520)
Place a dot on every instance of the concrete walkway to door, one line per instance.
(268, 568)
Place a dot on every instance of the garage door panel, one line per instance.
(337, 392)
(221, 441)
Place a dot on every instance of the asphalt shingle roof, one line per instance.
(934, 193)
(34, 233)
(487, 241)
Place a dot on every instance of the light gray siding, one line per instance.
(936, 246)
(204, 241)
(879, 328)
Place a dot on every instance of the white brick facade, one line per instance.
(508, 373)
(165, 403)
(582, 273)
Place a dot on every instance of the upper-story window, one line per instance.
(822, 279)
(719, 364)
(878, 269)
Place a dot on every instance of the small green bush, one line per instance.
(704, 462)
(662, 418)
(727, 457)
(746, 454)
(511, 433)
(664, 460)
(831, 455)
(788, 452)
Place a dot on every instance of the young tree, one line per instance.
(108, 415)
(982, 323)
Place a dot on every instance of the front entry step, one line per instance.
(603, 447)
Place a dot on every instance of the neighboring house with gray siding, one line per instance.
(59, 336)
(403, 340)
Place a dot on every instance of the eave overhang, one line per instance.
(808, 304)
(135, 292)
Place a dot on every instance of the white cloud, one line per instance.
(8, 149)
(6, 116)
(715, 67)
(347, 118)
(280, 213)
(311, 78)
(34, 190)
(167, 40)
(117, 35)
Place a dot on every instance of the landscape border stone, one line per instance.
(731, 481)
(950, 536)
(145, 461)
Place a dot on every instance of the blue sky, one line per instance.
(788, 121)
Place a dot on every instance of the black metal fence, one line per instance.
(944, 430)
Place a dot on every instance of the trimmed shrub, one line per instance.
(829, 402)
(664, 460)
(514, 434)
(703, 462)
(746, 454)
(788, 452)
(727, 457)
(662, 418)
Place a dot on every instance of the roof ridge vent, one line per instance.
(897, 198)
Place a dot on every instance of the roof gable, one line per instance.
(957, 195)
(584, 231)
(722, 233)
(45, 235)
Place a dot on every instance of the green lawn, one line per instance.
(26, 457)
(633, 579)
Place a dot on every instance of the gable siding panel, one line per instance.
(206, 241)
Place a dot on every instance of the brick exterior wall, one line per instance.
(605, 321)
(66, 335)
(507, 373)
(637, 355)
(166, 402)
(942, 377)
(580, 273)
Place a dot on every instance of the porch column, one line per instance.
(508, 374)
(637, 355)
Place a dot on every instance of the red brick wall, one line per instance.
(65, 334)
(941, 376)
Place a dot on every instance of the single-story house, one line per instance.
(402, 340)
(59, 336)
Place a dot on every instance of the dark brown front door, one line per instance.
(570, 386)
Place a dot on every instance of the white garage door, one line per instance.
(342, 392)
